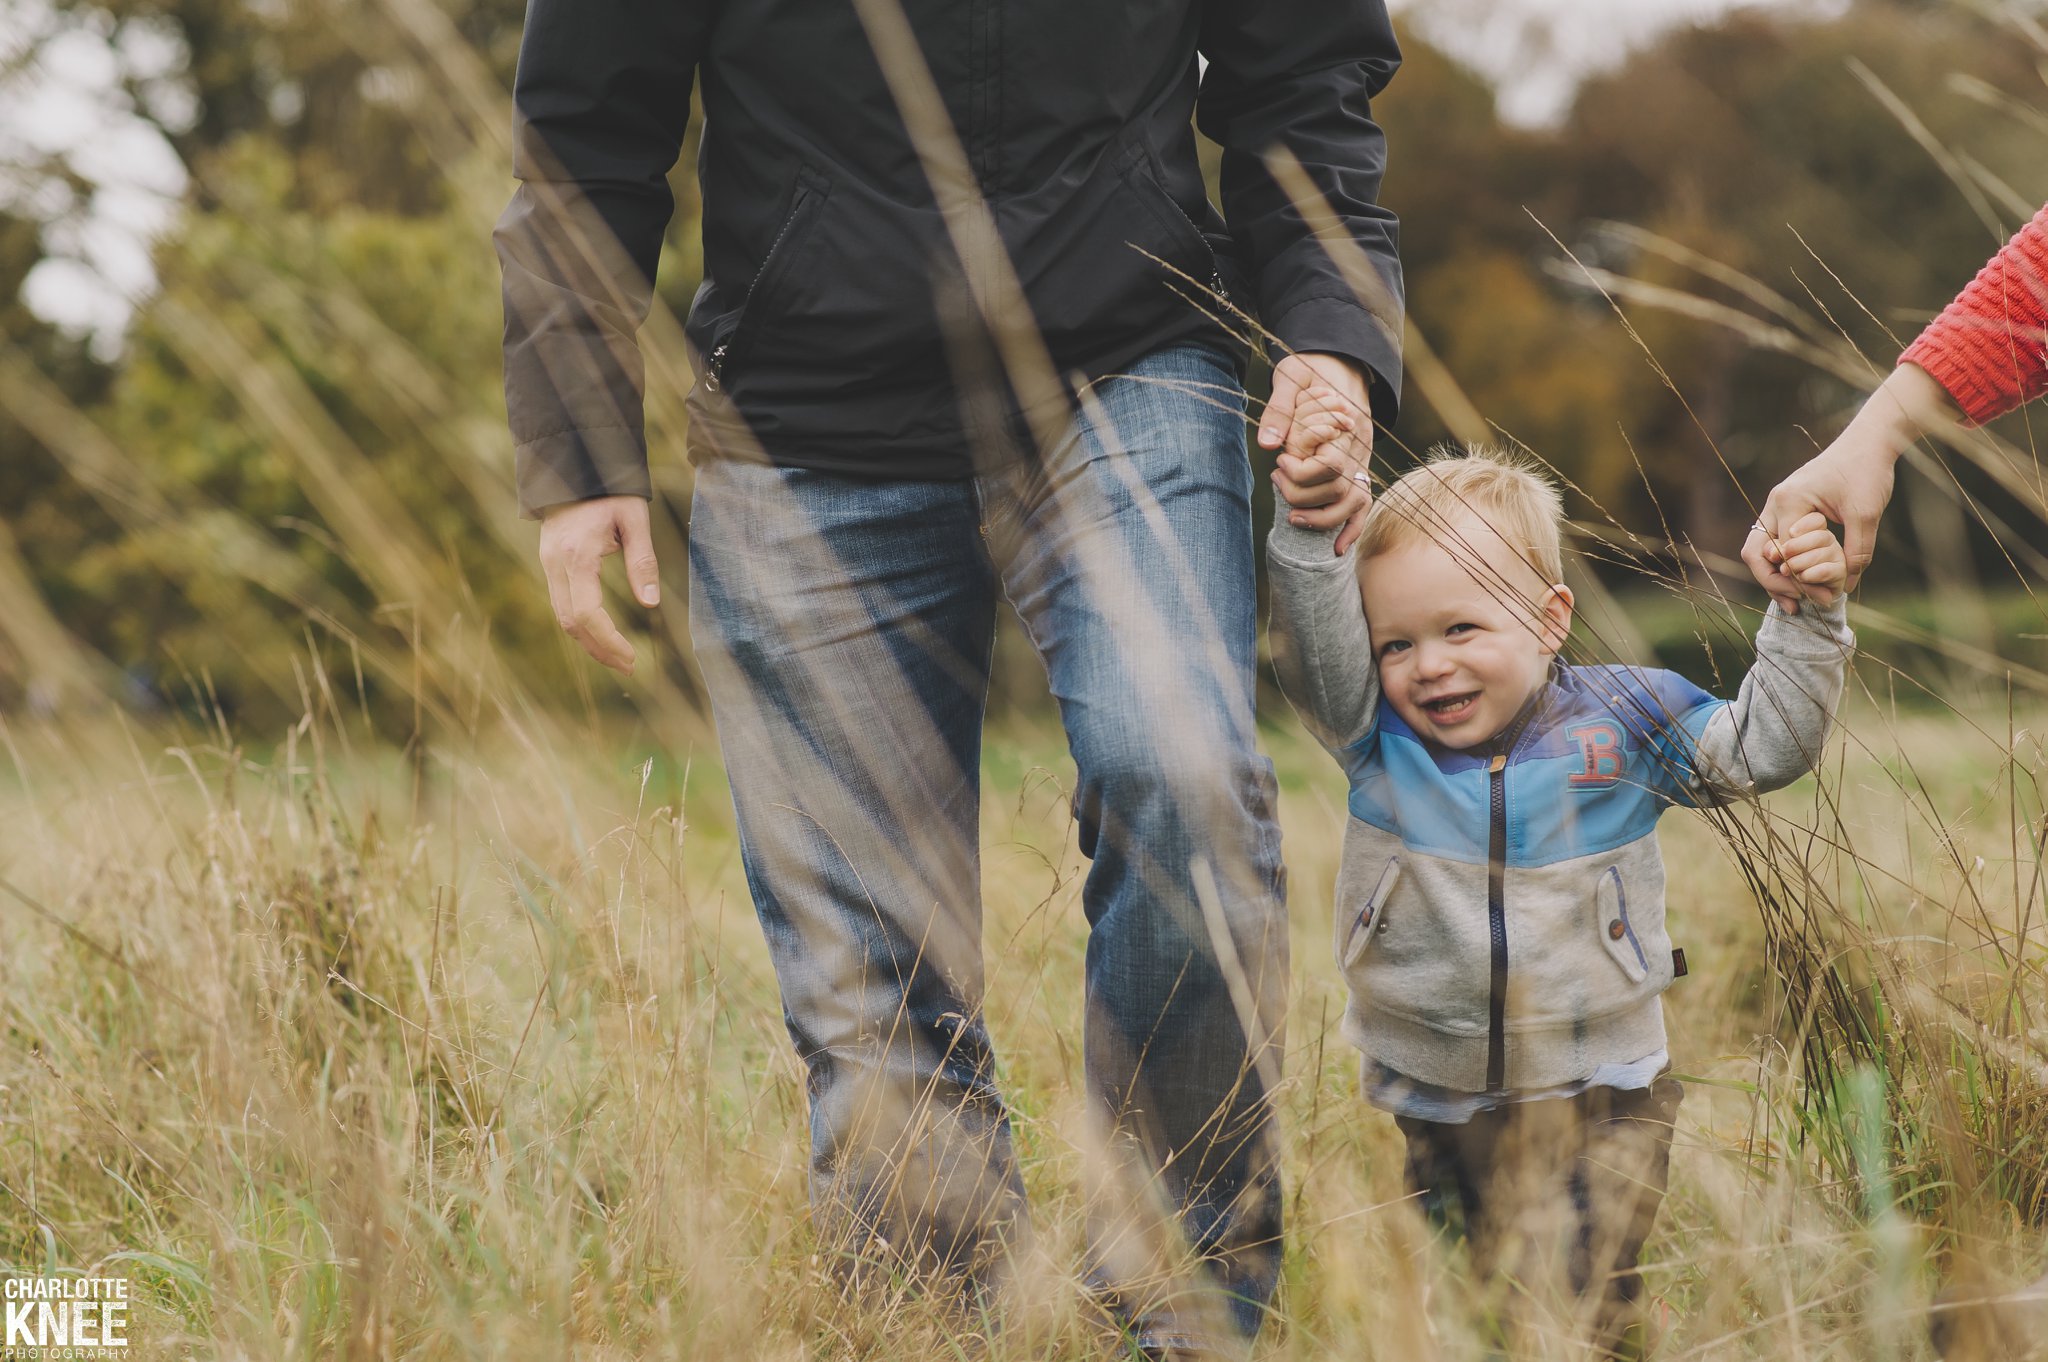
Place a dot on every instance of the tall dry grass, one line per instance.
(472, 1048)
(329, 1068)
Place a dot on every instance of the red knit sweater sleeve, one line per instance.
(1989, 347)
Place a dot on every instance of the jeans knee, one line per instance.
(1179, 793)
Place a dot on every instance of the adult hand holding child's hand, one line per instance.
(1850, 480)
(1320, 420)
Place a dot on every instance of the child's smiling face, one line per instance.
(1463, 637)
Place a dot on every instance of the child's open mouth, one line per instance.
(1449, 709)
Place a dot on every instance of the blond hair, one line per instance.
(1514, 502)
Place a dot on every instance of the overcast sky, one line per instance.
(1537, 51)
(1534, 51)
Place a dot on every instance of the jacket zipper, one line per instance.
(982, 133)
(1215, 265)
(714, 377)
(1496, 906)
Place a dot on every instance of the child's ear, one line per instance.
(1556, 622)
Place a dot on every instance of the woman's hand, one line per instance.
(1849, 482)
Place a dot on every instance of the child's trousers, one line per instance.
(1554, 1199)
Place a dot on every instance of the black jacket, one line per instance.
(833, 320)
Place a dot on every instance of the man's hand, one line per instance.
(574, 538)
(1850, 481)
(1319, 419)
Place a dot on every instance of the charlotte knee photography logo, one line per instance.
(64, 1319)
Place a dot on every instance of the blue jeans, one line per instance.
(845, 629)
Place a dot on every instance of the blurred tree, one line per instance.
(1778, 148)
(325, 318)
(331, 83)
(1546, 368)
(310, 401)
(1769, 147)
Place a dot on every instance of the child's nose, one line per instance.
(1432, 662)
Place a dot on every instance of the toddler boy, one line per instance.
(1500, 906)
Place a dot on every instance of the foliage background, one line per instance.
(320, 358)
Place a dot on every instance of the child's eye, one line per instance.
(1460, 628)
(1393, 645)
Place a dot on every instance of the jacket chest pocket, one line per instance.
(1363, 925)
(1617, 931)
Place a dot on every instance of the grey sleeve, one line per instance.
(1322, 652)
(1773, 732)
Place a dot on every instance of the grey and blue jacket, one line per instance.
(1500, 909)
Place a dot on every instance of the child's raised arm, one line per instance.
(1322, 651)
(1773, 732)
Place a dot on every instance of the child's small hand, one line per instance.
(1327, 484)
(1320, 417)
(1811, 558)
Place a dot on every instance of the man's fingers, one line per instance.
(1279, 415)
(590, 625)
(558, 590)
(636, 542)
(575, 539)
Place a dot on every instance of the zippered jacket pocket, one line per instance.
(1166, 209)
(756, 305)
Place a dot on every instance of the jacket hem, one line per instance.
(1537, 1057)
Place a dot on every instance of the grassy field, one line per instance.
(471, 1049)
(335, 1053)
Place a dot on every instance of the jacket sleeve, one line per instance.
(1300, 75)
(1773, 731)
(1322, 650)
(1989, 347)
(599, 107)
